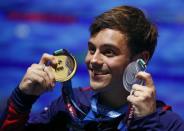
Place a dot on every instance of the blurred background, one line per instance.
(29, 28)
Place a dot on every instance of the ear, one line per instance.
(145, 55)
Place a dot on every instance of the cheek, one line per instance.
(118, 72)
(87, 58)
(117, 69)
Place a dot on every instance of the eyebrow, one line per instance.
(105, 45)
(90, 43)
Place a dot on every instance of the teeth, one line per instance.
(97, 73)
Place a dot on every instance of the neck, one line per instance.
(114, 98)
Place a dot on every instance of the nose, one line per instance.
(96, 59)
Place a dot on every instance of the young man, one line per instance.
(118, 37)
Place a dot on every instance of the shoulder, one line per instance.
(166, 111)
(168, 117)
(163, 118)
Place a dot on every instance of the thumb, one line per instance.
(146, 77)
(48, 58)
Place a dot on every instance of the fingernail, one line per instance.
(55, 61)
(53, 84)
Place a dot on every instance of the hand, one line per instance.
(143, 97)
(39, 78)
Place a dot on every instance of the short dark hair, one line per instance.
(130, 21)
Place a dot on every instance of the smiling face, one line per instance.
(107, 57)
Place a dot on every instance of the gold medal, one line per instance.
(66, 66)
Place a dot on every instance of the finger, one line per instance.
(51, 76)
(143, 91)
(48, 58)
(40, 69)
(136, 100)
(132, 92)
(132, 99)
(43, 78)
(146, 77)
(42, 74)
(138, 87)
(138, 94)
(36, 79)
(38, 66)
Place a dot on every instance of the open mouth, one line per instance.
(98, 73)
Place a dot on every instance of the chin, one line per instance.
(98, 86)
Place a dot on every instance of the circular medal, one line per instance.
(129, 76)
(66, 66)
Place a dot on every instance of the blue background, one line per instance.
(29, 28)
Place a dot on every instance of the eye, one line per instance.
(91, 49)
(109, 53)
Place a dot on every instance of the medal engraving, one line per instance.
(65, 68)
